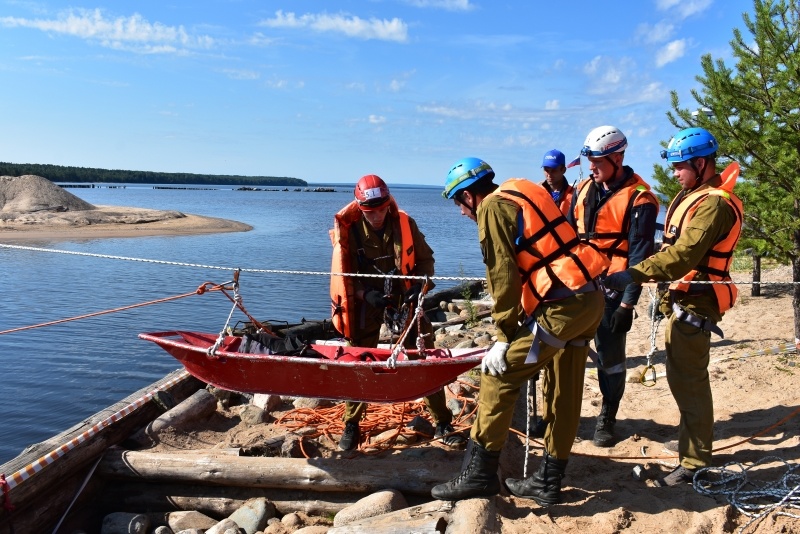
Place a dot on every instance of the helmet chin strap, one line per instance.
(697, 177)
(613, 164)
(459, 199)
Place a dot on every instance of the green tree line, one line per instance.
(59, 173)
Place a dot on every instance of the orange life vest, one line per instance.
(717, 261)
(548, 249)
(612, 221)
(342, 289)
(565, 201)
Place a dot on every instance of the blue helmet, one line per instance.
(690, 143)
(464, 173)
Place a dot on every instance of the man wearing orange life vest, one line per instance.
(547, 305)
(554, 166)
(702, 227)
(615, 211)
(372, 236)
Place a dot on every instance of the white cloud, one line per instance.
(657, 33)
(449, 5)
(444, 111)
(377, 119)
(377, 29)
(240, 74)
(133, 33)
(685, 8)
(551, 105)
(259, 39)
(672, 51)
(396, 85)
(605, 72)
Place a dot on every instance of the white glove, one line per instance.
(494, 362)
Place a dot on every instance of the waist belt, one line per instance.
(698, 322)
(565, 292)
(540, 334)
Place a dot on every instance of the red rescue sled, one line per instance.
(335, 372)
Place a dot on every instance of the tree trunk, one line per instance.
(317, 474)
(796, 299)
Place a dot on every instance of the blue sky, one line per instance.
(330, 91)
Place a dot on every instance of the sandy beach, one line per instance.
(112, 221)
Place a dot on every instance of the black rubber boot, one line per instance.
(544, 486)
(350, 437)
(478, 478)
(604, 431)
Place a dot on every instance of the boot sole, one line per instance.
(538, 500)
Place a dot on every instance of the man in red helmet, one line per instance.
(372, 236)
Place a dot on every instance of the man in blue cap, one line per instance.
(554, 167)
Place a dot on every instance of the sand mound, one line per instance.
(30, 194)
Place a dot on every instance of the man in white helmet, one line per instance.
(615, 211)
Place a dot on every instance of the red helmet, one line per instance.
(371, 193)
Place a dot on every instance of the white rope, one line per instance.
(391, 362)
(321, 273)
(211, 352)
(228, 268)
(528, 403)
(751, 498)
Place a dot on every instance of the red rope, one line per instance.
(205, 286)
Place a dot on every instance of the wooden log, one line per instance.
(428, 518)
(42, 497)
(216, 501)
(424, 525)
(201, 404)
(318, 474)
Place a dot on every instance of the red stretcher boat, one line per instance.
(331, 372)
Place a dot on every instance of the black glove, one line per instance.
(376, 299)
(622, 320)
(412, 294)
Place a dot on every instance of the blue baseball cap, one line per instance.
(554, 158)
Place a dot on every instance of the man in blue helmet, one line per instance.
(547, 307)
(703, 225)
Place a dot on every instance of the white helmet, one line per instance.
(604, 140)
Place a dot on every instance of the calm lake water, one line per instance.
(55, 377)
